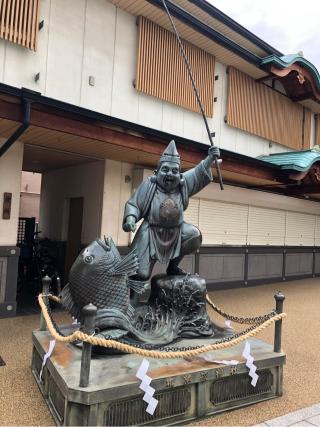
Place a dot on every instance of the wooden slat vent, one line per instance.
(162, 73)
(258, 109)
(317, 129)
(306, 142)
(19, 22)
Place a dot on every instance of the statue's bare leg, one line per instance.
(143, 275)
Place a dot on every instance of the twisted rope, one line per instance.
(126, 348)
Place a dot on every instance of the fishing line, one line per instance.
(217, 165)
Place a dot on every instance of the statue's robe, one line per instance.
(160, 235)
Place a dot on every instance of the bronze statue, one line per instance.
(177, 304)
(160, 200)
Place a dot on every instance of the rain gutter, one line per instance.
(21, 129)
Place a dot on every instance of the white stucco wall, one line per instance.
(10, 182)
(235, 216)
(118, 180)
(30, 182)
(83, 38)
(58, 187)
(29, 205)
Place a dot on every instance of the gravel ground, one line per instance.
(21, 402)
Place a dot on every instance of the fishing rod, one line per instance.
(216, 161)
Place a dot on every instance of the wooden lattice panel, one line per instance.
(306, 142)
(258, 109)
(19, 22)
(317, 129)
(161, 71)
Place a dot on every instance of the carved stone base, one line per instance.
(185, 296)
(186, 389)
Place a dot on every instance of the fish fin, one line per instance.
(137, 285)
(68, 303)
(130, 311)
(127, 265)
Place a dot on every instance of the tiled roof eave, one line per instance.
(295, 162)
(286, 61)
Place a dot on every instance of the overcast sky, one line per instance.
(286, 25)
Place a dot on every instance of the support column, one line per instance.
(10, 182)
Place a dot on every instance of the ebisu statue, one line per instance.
(160, 200)
(176, 307)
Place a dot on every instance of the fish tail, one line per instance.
(130, 311)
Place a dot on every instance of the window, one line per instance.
(258, 109)
(19, 22)
(161, 71)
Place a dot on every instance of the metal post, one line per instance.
(58, 281)
(46, 282)
(89, 314)
(279, 297)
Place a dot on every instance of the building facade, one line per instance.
(92, 91)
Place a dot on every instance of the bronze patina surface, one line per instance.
(100, 276)
(186, 389)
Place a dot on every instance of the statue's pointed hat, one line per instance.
(170, 154)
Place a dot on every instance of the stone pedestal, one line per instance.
(186, 389)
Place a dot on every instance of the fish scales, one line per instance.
(101, 290)
(99, 276)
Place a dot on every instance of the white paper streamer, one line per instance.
(46, 356)
(145, 386)
(143, 368)
(153, 403)
(249, 363)
(145, 382)
(227, 362)
(208, 358)
(228, 323)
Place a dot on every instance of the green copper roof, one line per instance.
(297, 161)
(287, 60)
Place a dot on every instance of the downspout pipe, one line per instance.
(17, 133)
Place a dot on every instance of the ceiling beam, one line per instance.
(95, 130)
(303, 189)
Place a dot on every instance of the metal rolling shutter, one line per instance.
(266, 226)
(191, 215)
(317, 232)
(300, 229)
(223, 223)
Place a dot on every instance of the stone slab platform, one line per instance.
(186, 389)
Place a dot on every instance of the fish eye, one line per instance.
(88, 259)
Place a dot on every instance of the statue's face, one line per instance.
(168, 176)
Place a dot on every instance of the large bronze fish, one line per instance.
(99, 276)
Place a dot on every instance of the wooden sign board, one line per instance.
(6, 208)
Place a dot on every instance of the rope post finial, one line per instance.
(58, 282)
(279, 297)
(46, 282)
(89, 313)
